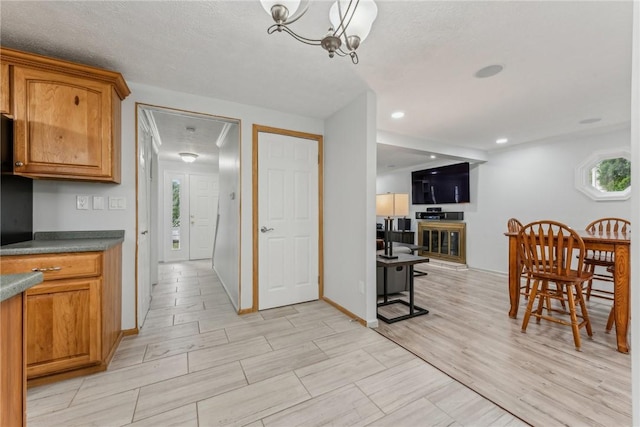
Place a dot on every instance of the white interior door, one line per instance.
(203, 200)
(144, 222)
(288, 220)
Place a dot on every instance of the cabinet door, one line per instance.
(5, 89)
(63, 326)
(63, 126)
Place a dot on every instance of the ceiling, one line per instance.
(564, 62)
(179, 131)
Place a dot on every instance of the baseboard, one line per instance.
(245, 311)
(446, 264)
(129, 332)
(345, 311)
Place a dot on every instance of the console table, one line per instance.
(402, 260)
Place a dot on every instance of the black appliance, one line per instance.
(450, 216)
(445, 184)
(16, 194)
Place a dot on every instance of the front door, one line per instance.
(288, 219)
(203, 205)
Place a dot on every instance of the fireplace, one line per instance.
(443, 240)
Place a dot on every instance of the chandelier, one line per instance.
(350, 20)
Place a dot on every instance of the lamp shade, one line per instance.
(392, 204)
(359, 18)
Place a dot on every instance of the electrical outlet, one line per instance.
(82, 202)
(117, 203)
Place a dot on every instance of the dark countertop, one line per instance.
(14, 284)
(52, 242)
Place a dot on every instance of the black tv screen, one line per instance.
(445, 184)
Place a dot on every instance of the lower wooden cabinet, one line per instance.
(73, 318)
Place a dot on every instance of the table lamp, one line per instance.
(391, 205)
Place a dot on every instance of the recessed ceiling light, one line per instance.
(591, 120)
(433, 156)
(488, 71)
(397, 114)
(502, 141)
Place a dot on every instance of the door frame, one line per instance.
(257, 129)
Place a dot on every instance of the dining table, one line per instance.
(616, 242)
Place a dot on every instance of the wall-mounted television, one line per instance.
(445, 184)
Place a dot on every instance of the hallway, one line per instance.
(196, 362)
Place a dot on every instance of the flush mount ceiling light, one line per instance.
(350, 20)
(502, 141)
(488, 71)
(188, 157)
(397, 114)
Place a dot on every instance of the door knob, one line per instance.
(265, 229)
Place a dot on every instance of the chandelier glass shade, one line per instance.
(350, 20)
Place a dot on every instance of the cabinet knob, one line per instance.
(19, 164)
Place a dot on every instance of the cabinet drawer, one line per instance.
(58, 266)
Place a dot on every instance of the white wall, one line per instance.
(227, 250)
(349, 208)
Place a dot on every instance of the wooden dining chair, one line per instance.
(547, 249)
(602, 263)
(514, 226)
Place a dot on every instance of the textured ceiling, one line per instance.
(563, 61)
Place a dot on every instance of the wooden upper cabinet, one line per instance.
(66, 118)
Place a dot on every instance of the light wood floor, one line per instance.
(197, 363)
(537, 376)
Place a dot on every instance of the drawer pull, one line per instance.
(47, 269)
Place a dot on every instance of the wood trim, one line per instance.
(344, 311)
(6, 89)
(254, 220)
(304, 135)
(245, 311)
(137, 147)
(16, 57)
(129, 332)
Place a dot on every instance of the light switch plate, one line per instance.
(98, 202)
(82, 202)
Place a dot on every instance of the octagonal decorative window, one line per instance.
(605, 175)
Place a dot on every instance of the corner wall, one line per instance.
(349, 208)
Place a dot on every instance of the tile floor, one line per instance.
(197, 363)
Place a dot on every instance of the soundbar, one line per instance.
(437, 216)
